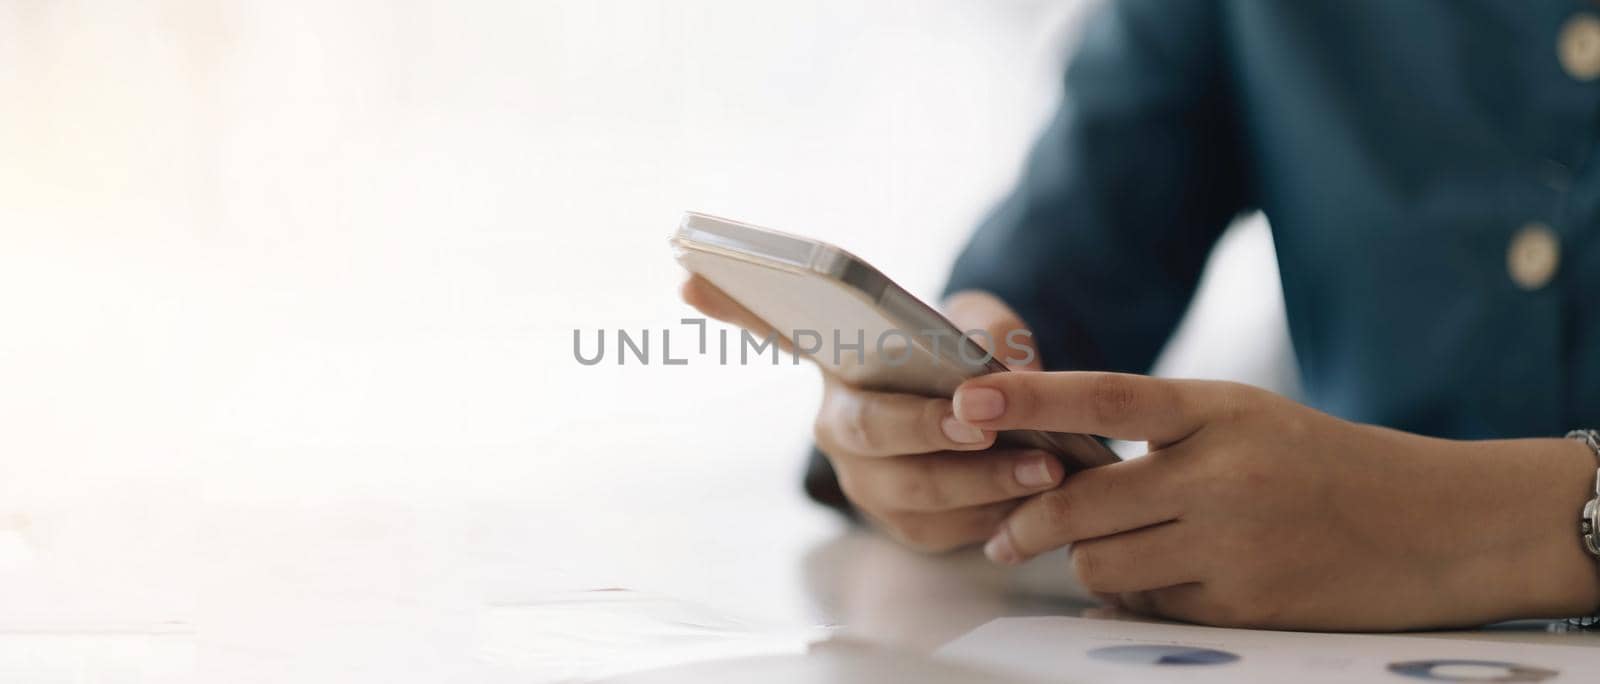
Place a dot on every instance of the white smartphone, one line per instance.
(853, 321)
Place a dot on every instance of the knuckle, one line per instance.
(929, 417)
(1238, 401)
(1022, 400)
(1056, 507)
(1090, 564)
(853, 420)
(1112, 398)
(918, 487)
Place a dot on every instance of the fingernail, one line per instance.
(979, 403)
(961, 432)
(1034, 473)
(999, 549)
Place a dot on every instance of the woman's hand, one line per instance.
(904, 461)
(1253, 510)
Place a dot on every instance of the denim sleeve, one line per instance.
(1100, 245)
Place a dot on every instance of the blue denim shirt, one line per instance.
(1425, 166)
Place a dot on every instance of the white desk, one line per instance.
(169, 587)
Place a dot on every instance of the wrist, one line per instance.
(1542, 569)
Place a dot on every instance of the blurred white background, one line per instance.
(291, 253)
(246, 239)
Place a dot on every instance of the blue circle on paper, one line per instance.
(1162, 654)
(1471, 671)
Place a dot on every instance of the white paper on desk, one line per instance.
(1068, 649)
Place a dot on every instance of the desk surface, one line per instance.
(174, 587)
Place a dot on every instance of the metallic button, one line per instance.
(1534, 256)
(1578, 47)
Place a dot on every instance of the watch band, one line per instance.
(1589, 518)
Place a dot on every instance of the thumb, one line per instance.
(1005, 334)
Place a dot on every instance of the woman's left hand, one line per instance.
(1253, 510)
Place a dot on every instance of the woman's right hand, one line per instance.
(927, 479)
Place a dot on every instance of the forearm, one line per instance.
(1524, 557)
(1482, 531)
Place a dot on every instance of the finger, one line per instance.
(863, 423)
(1116, 405)
(1141, 560)
(949, 480)
(1097, 502)
(1005, 334)
(945, 530)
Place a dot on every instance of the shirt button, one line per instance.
(1533, 256)
(1578, 47)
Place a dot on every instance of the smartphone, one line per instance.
(845, 315)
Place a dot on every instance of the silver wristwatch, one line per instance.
(1589, 520)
